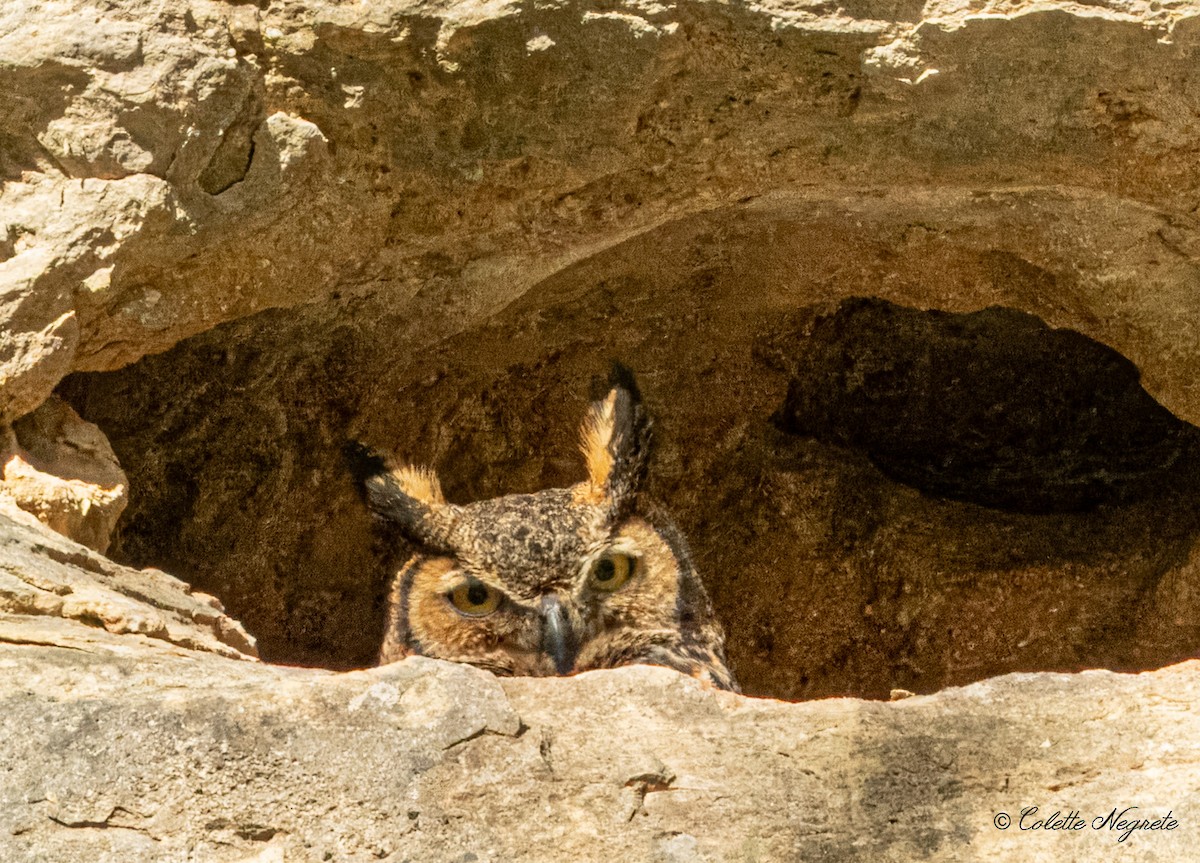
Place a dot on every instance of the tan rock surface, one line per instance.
(63, 470)
(130, 731)
(154, 756)
(50, 585)
(166, 168)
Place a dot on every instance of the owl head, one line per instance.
(552, 583)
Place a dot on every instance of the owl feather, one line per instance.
(615, 439)
(404, 497)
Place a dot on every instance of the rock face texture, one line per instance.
(912, 290)
(129, 747)
(170, 167)
(63, 470)
(55, 592)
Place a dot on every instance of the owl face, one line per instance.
(557, 582)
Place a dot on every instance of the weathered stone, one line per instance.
(48, 584)
(152, 755)
(62, 470)
(425, 225)
(169, 168)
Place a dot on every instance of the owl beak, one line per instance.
(558, 639)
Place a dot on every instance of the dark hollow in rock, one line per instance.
(830, 576)
(231, 159)
(992, 407)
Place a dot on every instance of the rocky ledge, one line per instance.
(134, 748)
(152, 738)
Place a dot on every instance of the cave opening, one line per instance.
(900, 499)
(917, 485)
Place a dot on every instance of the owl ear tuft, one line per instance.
(615, 438)
(404, 497)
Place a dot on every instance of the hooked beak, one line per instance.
(558, 639)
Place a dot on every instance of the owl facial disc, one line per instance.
(560, 581)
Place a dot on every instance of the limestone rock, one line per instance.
(425, 224)
(168, 168)
(50, 585)
(444, 199)
(145, 738)
(150, 755)
(63, 470)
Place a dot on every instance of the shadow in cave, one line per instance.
(941, 497)
(945, 497)
(991, 407)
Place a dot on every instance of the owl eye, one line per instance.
(611, 571)
(474, 598)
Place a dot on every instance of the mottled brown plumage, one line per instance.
(557, 582)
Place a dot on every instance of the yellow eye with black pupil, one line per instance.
(610, 572)
(474, 598)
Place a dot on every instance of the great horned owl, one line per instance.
(557, 582)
